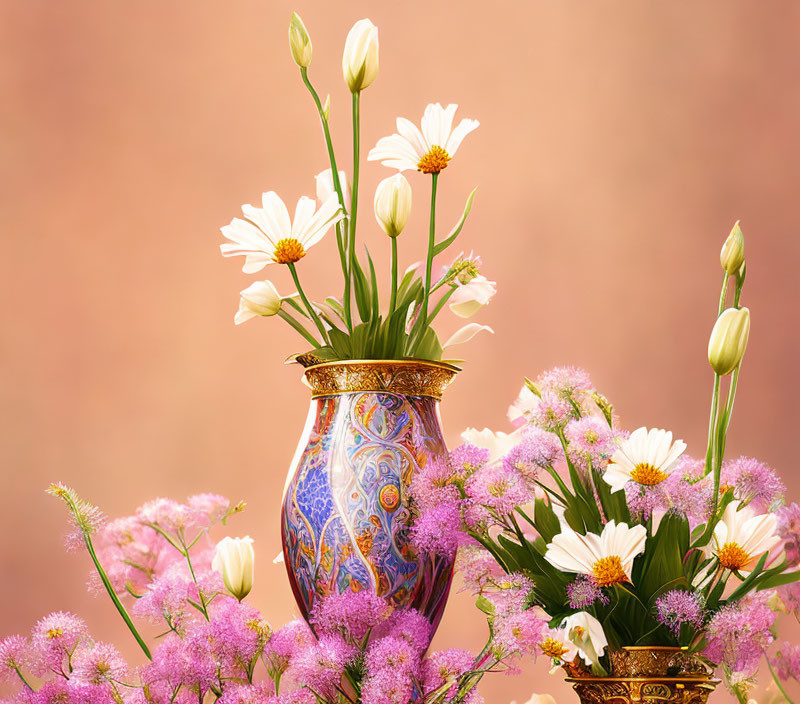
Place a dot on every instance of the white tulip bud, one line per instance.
(234, 559)
(299, 41)
(360, 58)
(469, 298)
(393, 204)
(728, 340)
(259, 298)
(732, 255)
(326, 107)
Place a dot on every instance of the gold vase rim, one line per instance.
(660, 648)
(405, 377)
(650, 678)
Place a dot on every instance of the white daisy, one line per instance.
(558, 647)
(499, 444)
(428, 150)
(267, 235)
(741, 537)
(646, 457)
(607, 557)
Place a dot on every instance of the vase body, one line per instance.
(667, 675)
(345, 509)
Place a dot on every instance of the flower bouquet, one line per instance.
(355, 326)
(164, 574)
(651, 566)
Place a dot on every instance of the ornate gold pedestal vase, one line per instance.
(345, 517)
(646, 674)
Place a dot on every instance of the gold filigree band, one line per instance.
(408, 377)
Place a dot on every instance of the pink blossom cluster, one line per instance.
(214, 647)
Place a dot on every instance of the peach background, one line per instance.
(619, 141)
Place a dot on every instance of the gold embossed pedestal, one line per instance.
(345, 516)
(668, 675)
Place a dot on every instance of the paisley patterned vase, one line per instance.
(345, 515)
(667, 675)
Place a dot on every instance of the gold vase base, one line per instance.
(664, 675)
(626, 690)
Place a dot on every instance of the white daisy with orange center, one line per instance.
(267, 235)
(607, 558)
(428, 149)
(647, 457)
(741, 537)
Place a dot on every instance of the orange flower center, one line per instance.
(733, 556)
(288, 251)
(608, 571)
(648, 475)
(553, 648)
(54, 633)
(434, 161)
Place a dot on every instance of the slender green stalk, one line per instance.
(778, 682)
(393, 298)
(712, 424)
(311, 312)
(341, 227)
(297, 325)
(445, 297)
(114, 598)
(723, 294)
(22, 677)
(423, 318)
(351, 238)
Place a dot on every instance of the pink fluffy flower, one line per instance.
(739, 633)
(408, 624)
(61, 691)
(678, 607)
(754, 482)
(787, 661)
(55, 637)
(509, 593)
(467, 459)
(789, 531)
(14, 651)
(322, 665)
(284, 644)
(584, 592)
(393, 653)
(388, 686)
(255, 693)
(591, 442)
(233, 637)
(437, 530)
(566, 382)
(98, 664)
(166, 514)
(179, 664)
(208, 509)
(536, 450)
(477, 567)
(498, 488)
(167, 599)
(552, 412)
(434, 484)
(352, 614)
(687, 492)
(519, 633)
(446, 666)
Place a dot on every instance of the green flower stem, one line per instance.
(311, 312)
(194, 577)
(393, 299)
(445, 297)
(297, 325)
(337, 185)
(351, 238)
(778, 682)
(723, 293)
(114, 598)
(712, 424)
(22, 677)
(423, 318)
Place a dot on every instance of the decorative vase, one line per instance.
(667, 675)
(344, 514)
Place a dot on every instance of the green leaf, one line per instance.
(373, 285)
(361, 290)
(429, 346)
(545, 520)
(445, 243)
